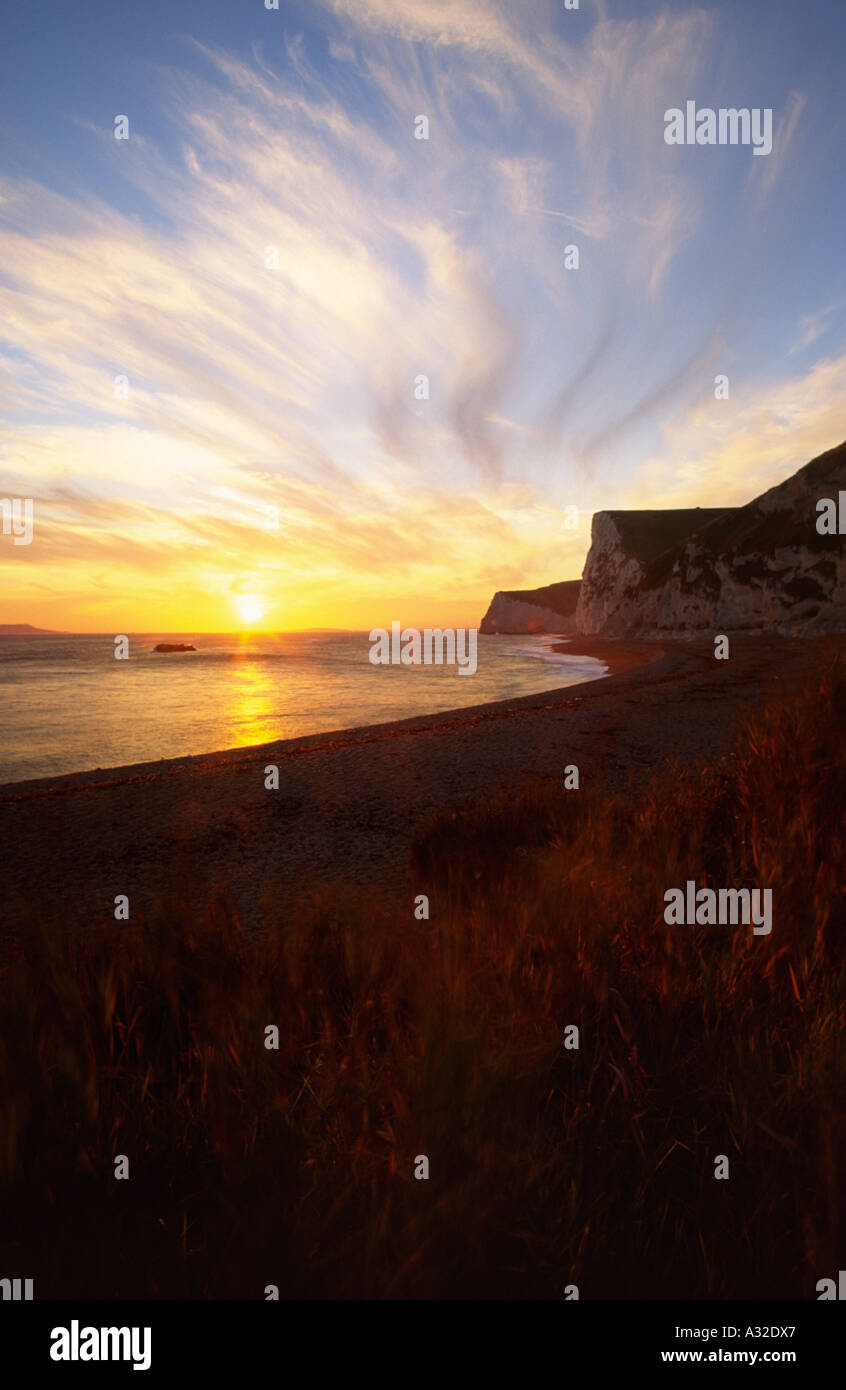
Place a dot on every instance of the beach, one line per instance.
(315, 990)
(349, 803)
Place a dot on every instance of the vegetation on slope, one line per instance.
(400, 1037)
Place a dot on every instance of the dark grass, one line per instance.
(401, 1037)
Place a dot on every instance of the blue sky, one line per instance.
(270, 442)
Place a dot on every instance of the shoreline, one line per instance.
(205, 829)
(617, 656)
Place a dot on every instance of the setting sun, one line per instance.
(423, 668)
(251, 609)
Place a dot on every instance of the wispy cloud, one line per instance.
(303, 260)
(813, 326)
(724, 453)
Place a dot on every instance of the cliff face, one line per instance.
(548, 609)
(762, 565)
(623, 546)
(699, 570)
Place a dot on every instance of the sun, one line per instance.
(251, 609)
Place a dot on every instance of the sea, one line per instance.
(68, 705)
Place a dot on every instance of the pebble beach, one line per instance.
(349, 803)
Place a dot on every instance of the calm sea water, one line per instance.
(66, 704)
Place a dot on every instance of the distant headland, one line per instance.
(27, 630)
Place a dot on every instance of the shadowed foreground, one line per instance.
(400, 1037)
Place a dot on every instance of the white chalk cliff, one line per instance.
(696, 570)
(764, 565)
(548, 609)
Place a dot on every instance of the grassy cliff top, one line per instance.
(647, 534)
(561, 598)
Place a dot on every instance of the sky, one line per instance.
(214, 334)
